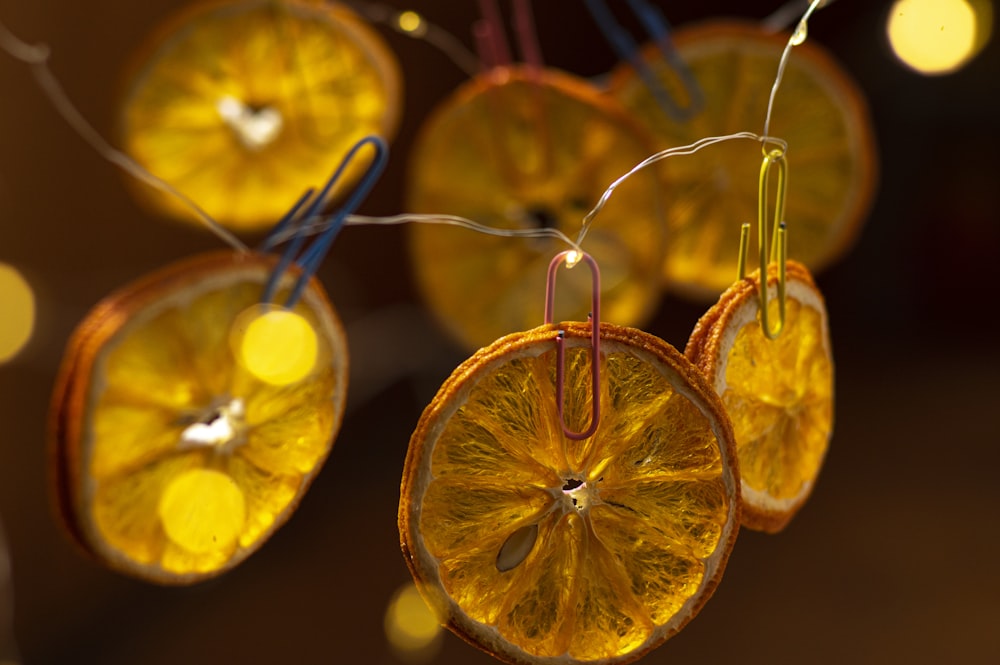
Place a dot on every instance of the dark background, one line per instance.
(895, 558)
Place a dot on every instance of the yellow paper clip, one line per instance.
(779, 240)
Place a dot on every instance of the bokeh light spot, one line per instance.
(412, 628)
(413, 23)
(202, 511)
(277, 346)
(17, 303)
(933, 36)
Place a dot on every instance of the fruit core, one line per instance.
(255, 126)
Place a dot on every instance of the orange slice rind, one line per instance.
(521, 149)
(241, 106)
(819, 111)
(172, 461)
(540, 549)
(778, 393)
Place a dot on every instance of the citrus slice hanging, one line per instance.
(542, 549)
(778, 393)
(243, 105)
(818, 110)
(189, 420)
(517, 148)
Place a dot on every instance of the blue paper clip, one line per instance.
(659, 30)
(299, 215)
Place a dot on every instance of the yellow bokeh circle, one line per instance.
(17, 302)
(935, 36)
(412, 628)
(202, 511)
(277, 346)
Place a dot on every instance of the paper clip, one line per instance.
(626, 48)
(310, 259)
(780, 239)
(572, 257)
(495, 55)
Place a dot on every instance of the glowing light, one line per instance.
(226, 425)
(277, 346)
(202, 511)
(572, 258)
(933, 36)
(413, 630)
(255, 128)
(17, 304)
(412, 23)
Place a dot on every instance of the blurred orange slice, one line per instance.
(241, 106)
(818, 110)
(174, 457)
(541, 549)
(520, 149)
(778, 393)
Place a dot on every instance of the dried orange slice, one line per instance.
(818, 110)
(541, 549)
(778, 393)
(517, 150)
(243, 105)
(178, 446)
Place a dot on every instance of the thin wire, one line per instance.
(37, 58)
(785, 15)
(689, 149)
(434, 35)
(797, 37)
(319, 225)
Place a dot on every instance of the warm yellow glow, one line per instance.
(277, 346)
(933, 36)
(412, 23)
(202, 511)
(410, 625)
(255, 129)
(17, 312)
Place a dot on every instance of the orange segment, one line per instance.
(517, 152)
(540, 549)
(779, 393)
(243, 105)
(818, 110)
(173, 462)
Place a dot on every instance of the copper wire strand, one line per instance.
(797, 37)
(689, 149)
(37, 58)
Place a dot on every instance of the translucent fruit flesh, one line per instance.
(243, 105)
(517, 152)
(778, 393)
(542, 549)
(175, 460)
(818, 110)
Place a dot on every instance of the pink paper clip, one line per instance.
(572, 257)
